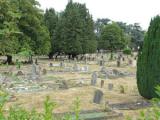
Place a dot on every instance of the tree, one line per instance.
(51, 21)
(112, 38)
(148, 61)
(78, 30)
(135, 32)
(8, 29)
(35, 34)
(99, 25)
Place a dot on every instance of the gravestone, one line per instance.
(35, 72)
(61, 64)
(98, 97)
(103, 70)
(102, 83)
(84, 69)
(64, 85)
(123, 59)
(50, 64)
(118, 63)
(2, 78)
(110, 86)
(44, 71)
(19, 73)
(94, 79)
(75, 68)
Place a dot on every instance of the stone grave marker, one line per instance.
(50, 64)
(94, 79)
(98, 97)
(61, 64)
(64, 85)
(110, 86)
(44, 71)
(103, 69)
(75, 68)
(102, 83)
(19, 73)
(35, 72)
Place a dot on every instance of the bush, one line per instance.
(127, 51)
(148, 67)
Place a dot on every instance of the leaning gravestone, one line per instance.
(64, 85)
(98, 97)
(94, 79)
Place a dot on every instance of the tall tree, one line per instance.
(112, 38)
(148, 76)
(51, 21)
(9, 31)
(79, 34)
(35, 34)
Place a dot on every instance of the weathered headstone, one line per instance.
(64, 85)
(75, 68)
(19, 73)
(94, 79)
(102, 83)
(103, 70)
(61, 64)
(50, 64)
(118, 63)
(110, 86)
(35, 72)
(44, 71)
(84, 69)
(98, 97)
(130, 62)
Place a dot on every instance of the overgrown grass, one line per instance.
(19, 113)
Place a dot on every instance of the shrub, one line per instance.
(148, 67)
(127, 51)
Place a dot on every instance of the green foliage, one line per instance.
(152, 113)
(74, 33)
(49, 106)
(148, 61)
(134, 33)
(127, 51)
(76, 108)
(112, 37)
(21, 25)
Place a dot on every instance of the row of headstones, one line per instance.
(94, 81)
(75, 67)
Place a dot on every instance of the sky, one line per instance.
(129, 11)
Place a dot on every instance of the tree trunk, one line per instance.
(9, 59)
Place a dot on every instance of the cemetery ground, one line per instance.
(67, 80)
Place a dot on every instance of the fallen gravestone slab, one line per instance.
(131, 105)
(94, 115)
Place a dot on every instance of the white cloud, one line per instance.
(129, 11)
